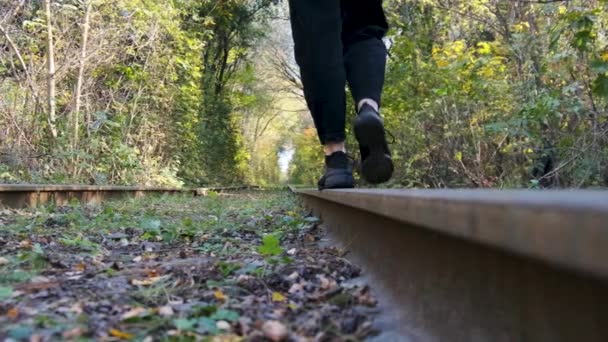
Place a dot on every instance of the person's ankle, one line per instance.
(370, 102)
(332, 147)
(337, 160)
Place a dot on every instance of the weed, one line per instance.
(227, 268)
(271, 245)
(80, 243)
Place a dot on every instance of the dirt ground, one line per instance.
(226, 267)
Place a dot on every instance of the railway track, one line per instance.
(32, 195)
(468, 265)
(452, 265)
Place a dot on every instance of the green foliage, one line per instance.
(80, 242)
(159, 83)
(488, 100)
(307, 163)
(271, 245)
(227, 268)
(5, 292)
(491, 94)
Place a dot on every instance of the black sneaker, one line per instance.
(376, 162)
(338, 172)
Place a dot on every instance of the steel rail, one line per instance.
(479, 265)
(32, 195)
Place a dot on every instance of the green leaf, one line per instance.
(600, 86)
(184, 324)
(37, 249)
(187, 222)
(207, 325)
(206, 310)
(270, 245)
(226, 315)
(311, 219)
(20, 332)
(599, 66)
(5, 292)
(151, 225)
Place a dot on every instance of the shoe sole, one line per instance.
(338, 182)
(378, 166)
(346, 182)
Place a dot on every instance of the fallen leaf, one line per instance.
(152, 273)
(222, 325)
(166, 311)
(364, 296)
(277, 297)
(40, 280)
(295, 288)
(37, 286)
(74, 333)
(145, 282)
(12, 313)
(80, 267)
(243, 278)
(76, 308)
(219, 295)
(135, 312)
(120, 334)
(225, 315)
(326, 283)
(26, 244)
(275, 331)
(184, 324)
(227, 338)
(36, 338)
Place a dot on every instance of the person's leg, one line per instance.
(317, 28)
(364, 26)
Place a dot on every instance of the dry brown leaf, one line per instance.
(152, 273)
(364, 297)
(121, 334)
(227, 338)
(12, 313)
(36, 338)
(76, 308)
(74, 333)
(80, 267)
(145, 282)
(25, 244)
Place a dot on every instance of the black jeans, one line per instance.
(335, 41)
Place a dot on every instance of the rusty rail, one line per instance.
(32, 195)
(469, 265)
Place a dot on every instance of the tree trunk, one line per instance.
(51, 70)
(78, 90)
